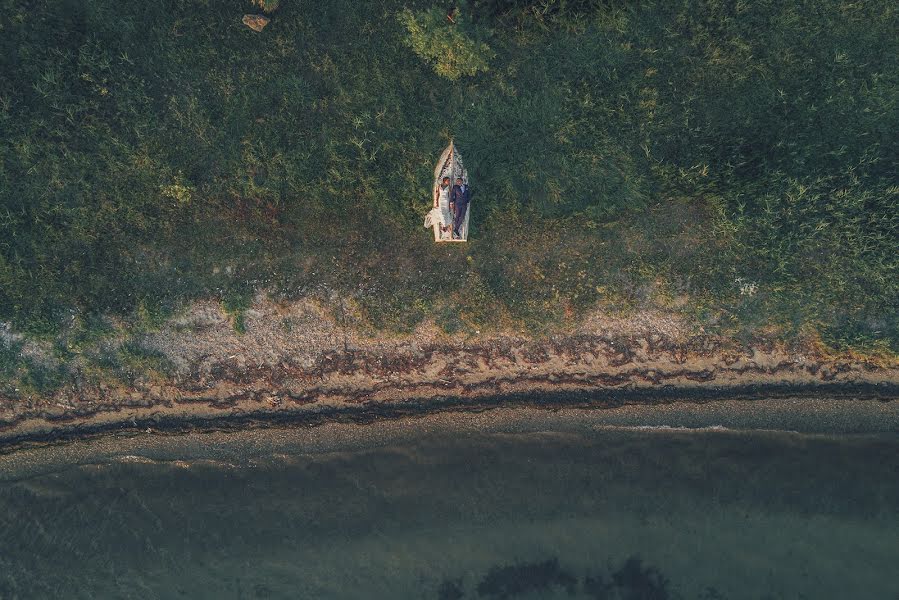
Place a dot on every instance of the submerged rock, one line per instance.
(256, 22)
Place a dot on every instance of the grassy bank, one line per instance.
(735, 161)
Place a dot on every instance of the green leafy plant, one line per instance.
(267, 6)
(235, 304)
(178, 190)
(452, 46)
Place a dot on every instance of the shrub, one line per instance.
(453, 48)
(268, 6)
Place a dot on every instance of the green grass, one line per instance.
(21, 374)
(11, 361)
(621, 154)
(235, 304)
(135, 361)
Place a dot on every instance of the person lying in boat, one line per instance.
(459, 200)
(442, 202)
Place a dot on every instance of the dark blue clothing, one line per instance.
(460, 197)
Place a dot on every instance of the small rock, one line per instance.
(255, 22)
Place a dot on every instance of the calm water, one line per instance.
(438, 512)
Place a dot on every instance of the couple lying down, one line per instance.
(452, 204)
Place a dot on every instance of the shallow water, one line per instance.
(455, 510)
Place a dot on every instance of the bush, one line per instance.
(268, 6)
(452, 47)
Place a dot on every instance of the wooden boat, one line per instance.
(450, 165)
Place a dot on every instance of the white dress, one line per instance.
(446, 217)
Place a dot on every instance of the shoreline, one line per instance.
(649, 402)
(255, 440)
(325, 369)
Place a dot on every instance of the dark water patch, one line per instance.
(633, 580)
(538, 514)
(451, 590)
(511, 581)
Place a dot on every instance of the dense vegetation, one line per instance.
(736, 159)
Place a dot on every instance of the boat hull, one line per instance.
(449, 165)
